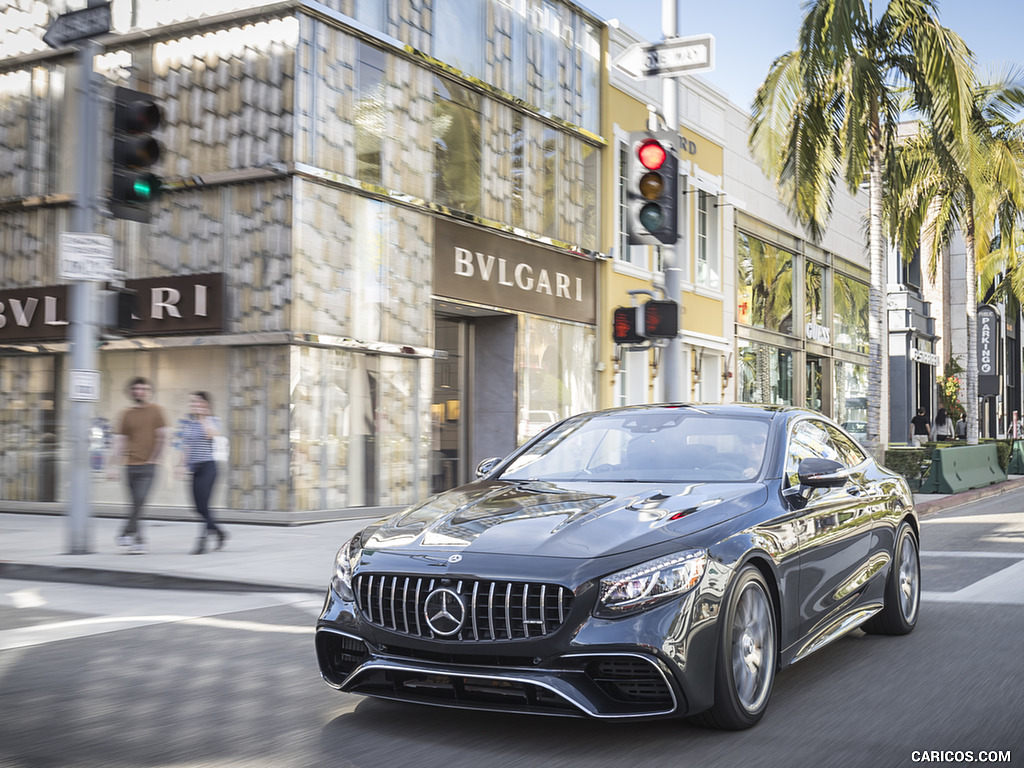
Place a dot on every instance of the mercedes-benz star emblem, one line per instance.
(445, 611)
(455, 559)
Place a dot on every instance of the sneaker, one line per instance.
(138, 548)
(124, 541)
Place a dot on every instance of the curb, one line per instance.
(955, 500)
(137, 579)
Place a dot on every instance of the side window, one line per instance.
(809, 439)
(850, 452)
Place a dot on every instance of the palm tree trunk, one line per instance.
(878, 321)
(971, 302)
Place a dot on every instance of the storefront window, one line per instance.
(851, 400)
(556, 363)
(765, 285)
(30, 462)
(174, 374)
(364, 436)
(850, 317)
(766, 374)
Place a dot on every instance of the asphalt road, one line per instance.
(102, 676)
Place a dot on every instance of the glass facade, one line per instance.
(486, 111)
(766, 373)
(820, 362)
(765, 285)
(555, 364)
(850, 319)
(851, 388)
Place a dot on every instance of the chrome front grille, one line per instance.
(494, 610)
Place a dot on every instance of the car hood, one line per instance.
(575, 520)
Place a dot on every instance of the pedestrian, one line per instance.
(961, 427)
(141, 434)
(198, 435)
(920, 430)
(943, 425)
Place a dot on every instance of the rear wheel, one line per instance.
(902, 588)
(745, 668)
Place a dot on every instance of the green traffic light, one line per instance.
(145, 188)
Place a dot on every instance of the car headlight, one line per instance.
(640, 587)
(343, 566)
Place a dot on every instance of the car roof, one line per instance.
(720, 409)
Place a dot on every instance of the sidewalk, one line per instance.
(256, 557)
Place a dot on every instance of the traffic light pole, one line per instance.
(83, 300)
(672, 361)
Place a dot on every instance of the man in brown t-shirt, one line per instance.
(141, 433)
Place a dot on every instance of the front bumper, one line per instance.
(658, 663)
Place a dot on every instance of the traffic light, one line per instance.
(133, 185)
(624, 326)
(656, 319)
(652, 215)
(661, 319)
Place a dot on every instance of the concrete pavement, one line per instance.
(255, 558)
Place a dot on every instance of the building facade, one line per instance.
(376, 249)
(768, 315)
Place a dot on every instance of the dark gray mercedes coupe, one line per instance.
(639, 562)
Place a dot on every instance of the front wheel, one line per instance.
(902, 588)
(745, 668)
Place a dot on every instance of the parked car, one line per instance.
(639, 562)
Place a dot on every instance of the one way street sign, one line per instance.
(78, 25)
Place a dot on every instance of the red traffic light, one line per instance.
(651, 154)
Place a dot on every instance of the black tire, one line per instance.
(746, 663)
(902, 588)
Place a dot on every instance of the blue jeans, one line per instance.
(203, 476)
(140, 480)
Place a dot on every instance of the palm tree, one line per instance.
(832, 107)
(976, 188)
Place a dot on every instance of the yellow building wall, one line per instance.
(698, 313)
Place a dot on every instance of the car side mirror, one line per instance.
(487, 466)
(822, 473)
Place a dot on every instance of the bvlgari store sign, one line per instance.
(485, 268)
(163, 306)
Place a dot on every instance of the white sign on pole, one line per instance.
(84, 386)
(680, 55)
(85, 256)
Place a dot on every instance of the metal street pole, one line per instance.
(672, 365)
(83, 299)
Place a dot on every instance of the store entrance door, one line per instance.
(449, 410)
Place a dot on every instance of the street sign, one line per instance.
(679, 56)
(84, 386)
(78, 25)
(85, 257)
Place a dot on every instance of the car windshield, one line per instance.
(668, 445)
